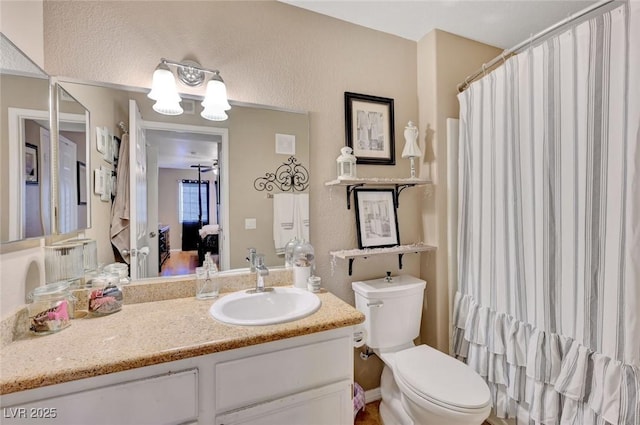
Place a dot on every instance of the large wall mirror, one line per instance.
(25, 176)
(189, 159)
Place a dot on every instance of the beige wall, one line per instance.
(252, 155)
(273, 53)
(269, 53)
(444, 60)
(22, 22)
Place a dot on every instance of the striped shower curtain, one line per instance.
(547, 307)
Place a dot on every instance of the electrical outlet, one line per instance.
(249, 223)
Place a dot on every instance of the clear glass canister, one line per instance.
(105, 294)
(63, 262)
(288, 252)
(51, 308)
(303, 264)
(121, 269)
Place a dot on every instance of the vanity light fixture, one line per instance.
(411, 149)
(191, 74)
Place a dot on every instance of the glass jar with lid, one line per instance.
(121, 269)
(303, 264)
(51, 308)
(105, 294)
(288, 251)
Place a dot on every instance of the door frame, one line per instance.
(223, 161)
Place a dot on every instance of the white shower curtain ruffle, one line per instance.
(550, 375)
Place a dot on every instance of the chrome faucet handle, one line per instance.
(251, 259)
(388, 278)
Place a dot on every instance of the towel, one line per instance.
(301, 217)
(290, 218)
(283, 220)
(120, 211)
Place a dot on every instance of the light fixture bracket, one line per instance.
(190, 73)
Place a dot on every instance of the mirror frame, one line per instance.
(56, 116)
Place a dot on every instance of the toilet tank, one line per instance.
(392, 309)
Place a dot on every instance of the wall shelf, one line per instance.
(400, 250)
(399, 184)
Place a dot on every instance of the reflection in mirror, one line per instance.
(25, 176)
(73, 162)
(232, 155)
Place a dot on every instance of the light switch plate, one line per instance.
(249, 223)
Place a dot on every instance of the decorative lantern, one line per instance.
(346, 164)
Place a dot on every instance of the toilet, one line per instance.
(419, 385)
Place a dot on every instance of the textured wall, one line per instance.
(268, 53)
(444, 60)
(21, 21)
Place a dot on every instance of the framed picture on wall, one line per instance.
(369, 128)
(31, 164)
(376, 218)
(82, 183)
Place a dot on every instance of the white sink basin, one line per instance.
(280, 305)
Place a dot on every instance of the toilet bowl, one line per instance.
(419, 385)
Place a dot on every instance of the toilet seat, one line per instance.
(429, 376)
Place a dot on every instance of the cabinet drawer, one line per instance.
(165, 399)
(273, 375)
(328, 405)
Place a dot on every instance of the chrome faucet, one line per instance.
(261, 271)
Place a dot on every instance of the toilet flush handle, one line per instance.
(378, 303)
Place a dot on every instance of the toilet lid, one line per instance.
(441, 379)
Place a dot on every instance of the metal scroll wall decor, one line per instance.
(291, 176)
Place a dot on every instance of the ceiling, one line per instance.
(501, 24)
(181, 150)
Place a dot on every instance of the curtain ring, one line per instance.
(484, 69)
(531, 41)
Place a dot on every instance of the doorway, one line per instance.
(175, 150)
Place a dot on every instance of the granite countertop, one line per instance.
(145, 334)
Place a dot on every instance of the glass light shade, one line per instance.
(163, 85)
(216, 95)
(213, 114)
(168, 107)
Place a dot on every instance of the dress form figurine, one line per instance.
(411, 149)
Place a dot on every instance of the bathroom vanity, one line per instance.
(169, 362)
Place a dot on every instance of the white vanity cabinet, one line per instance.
(306, 379)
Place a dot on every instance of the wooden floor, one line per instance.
(179, 263)
(370, 415)
(183, 262)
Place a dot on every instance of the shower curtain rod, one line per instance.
(517, 48)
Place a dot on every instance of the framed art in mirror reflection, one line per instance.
(31, 164)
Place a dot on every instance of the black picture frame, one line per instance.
(31, 170)
(82, 182)
(369, 127)
(376, 218)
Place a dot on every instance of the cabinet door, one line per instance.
(328, 405)
(166, 399)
